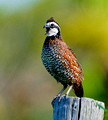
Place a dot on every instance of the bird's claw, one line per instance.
(55, 98)
(59, 97)
(65, 96)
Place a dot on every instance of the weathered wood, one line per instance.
(74, 108)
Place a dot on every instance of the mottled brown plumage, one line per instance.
(60, 61)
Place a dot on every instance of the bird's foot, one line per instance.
(59, 97)
(65, 96)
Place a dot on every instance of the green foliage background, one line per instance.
(26, 88)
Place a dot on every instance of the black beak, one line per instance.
(44, 26)
(47, 29)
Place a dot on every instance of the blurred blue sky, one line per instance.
(13, 5)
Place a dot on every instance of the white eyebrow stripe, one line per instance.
(49, 23)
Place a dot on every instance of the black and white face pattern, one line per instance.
(52, 28)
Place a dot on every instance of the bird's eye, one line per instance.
(52, 25)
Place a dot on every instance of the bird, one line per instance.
(60, 61)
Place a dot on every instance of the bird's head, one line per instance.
(52, 27)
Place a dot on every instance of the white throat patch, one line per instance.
(53, 32)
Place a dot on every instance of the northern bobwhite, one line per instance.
(60, 61)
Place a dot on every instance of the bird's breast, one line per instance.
(61, 63)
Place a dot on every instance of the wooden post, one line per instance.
(74, 108)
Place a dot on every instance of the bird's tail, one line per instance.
(78, 89)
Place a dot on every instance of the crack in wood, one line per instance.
(79, 109)
(74, 108)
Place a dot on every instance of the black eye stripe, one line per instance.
(52, 24)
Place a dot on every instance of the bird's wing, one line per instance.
(71, 63)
